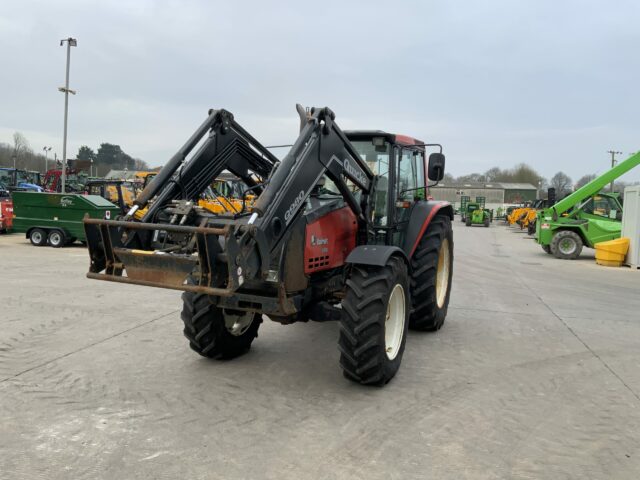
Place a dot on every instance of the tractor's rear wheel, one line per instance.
(566, 245)
(38, 237)
(216, 333)
(432, 265)
(375, 315)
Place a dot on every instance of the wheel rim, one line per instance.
(442, 274)
(36, 237)
(394, 322)
(238, 324)
(54, 238)
(567, 246)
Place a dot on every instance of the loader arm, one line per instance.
(176, 239)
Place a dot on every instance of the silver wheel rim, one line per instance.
(442, 274)
(36, 237)
(394, 322)
(238, 324)
(55, 239)
(567, 246)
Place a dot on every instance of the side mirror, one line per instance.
(436, 167)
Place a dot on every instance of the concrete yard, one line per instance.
(536, 374)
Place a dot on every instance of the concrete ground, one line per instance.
(536, 374)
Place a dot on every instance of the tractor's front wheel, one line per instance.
(216, 333)
(487, 222)
(432, 270)
(566, 245)
(375, 316)
(468, 222)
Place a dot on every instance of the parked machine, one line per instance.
(477, 215)
(16, 179)
(464, 201)
(55, 219)
(6, 209)
(75, 181)
(584, 218)
(335, 223)
(118, 192)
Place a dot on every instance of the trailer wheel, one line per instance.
(432, 271)
(566, 245)
(375, 317)
(57, 239)
(216, 333)
(38, 237)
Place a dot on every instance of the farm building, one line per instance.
(496, 194)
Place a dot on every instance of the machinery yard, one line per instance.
(533, 375)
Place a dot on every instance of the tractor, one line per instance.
(338, 231)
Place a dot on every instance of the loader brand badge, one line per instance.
(355, 172)
(294, 206)
(315, 241)
(66, 201)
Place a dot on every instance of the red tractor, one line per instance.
(74, 182)
(340, 230)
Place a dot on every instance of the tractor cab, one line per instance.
(399, 165)
(118, 192)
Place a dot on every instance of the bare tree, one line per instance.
(20, 148)
(582, 181)
(562, 183)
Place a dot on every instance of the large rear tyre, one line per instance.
(432, 266)
(375, 316)
(216, 333)
(566, 245)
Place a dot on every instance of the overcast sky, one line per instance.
(551, 83)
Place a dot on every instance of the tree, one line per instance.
(448, 179)
(585, 179)
(471, 178)
(20, 148)
(87, 154)
(113, 156)
(493, 174)
(562, 183)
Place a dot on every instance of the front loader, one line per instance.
(338, 231)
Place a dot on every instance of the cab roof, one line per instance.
(390, 137)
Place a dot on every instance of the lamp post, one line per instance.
(71, 42)
(46, 160)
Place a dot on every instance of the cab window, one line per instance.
(410, 181)
(602, 206)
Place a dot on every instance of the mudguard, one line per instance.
(421, 215)
(376, 255)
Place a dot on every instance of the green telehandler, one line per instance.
(477, 215)
(584, 218)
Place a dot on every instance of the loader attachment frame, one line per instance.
(229, 255)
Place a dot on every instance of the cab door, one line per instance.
(410, 187)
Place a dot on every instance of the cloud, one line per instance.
(549, 83)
